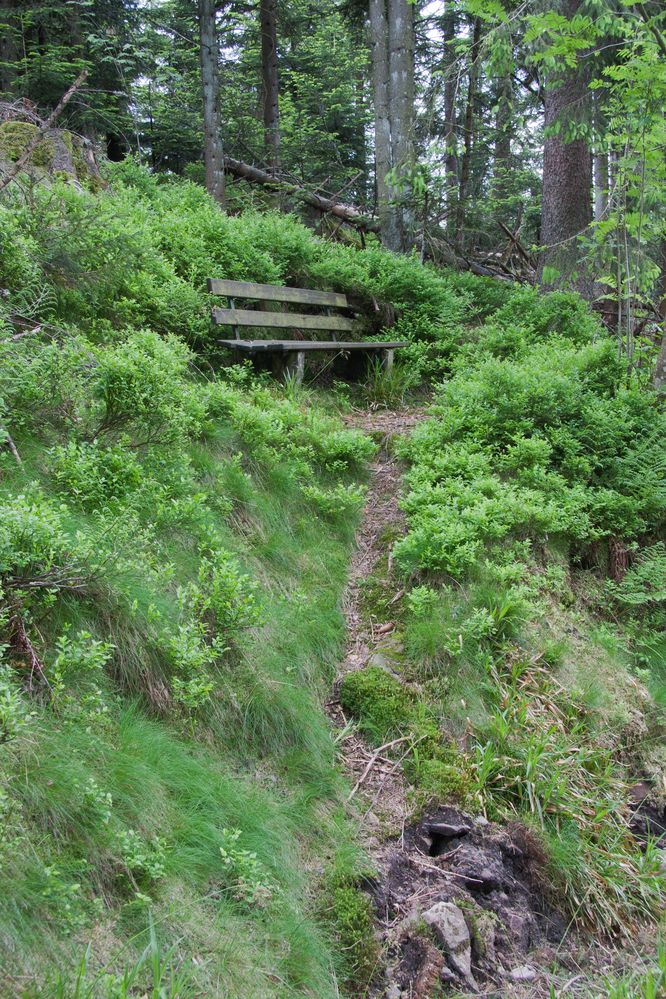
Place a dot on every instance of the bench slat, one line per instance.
(282, 320)
(275, 293)
(296, 346)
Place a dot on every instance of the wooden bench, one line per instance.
(289, 355)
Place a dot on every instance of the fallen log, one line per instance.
(327, 206)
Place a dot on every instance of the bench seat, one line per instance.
(296, 346)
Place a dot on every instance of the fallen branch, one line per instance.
(373, 760)
(328, 206)
(22, 645)
(42, 129)
(11, 445)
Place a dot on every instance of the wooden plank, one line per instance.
(275, 293)
(281, 320)
(279, 346)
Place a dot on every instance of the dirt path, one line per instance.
(375, 779)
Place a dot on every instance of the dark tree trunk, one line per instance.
(401, 107)
(567, 178)
(389, 232)
(8, 49)
(659, 377)
(270, 85)
(450, 88)
(209, 56)
(468, 138)
(502, 147)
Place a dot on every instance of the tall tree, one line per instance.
(388, 227)
(270, 82)
(209, 58)
(567, 172)
(468, 136)
(401, 110)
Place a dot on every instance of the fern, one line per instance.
(645, 582)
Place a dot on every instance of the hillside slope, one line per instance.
(175, 538)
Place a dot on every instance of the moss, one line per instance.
(442, 778)
(383, 707)
(351, 917)
(15, 136)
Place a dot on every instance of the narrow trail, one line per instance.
(369, 640)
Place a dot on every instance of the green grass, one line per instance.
(258, 759)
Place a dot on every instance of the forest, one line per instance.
(332, 665)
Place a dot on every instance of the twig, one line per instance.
(44, 127)
(372, 762)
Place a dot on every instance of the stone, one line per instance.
(393, 991)
(523, 973)
(517, 926)
(483, 935)
(446, 830)
(448, 923)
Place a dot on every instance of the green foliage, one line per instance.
(382, 704)
(545, 441)
(351, 916)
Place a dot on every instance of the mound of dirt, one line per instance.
(464, 903)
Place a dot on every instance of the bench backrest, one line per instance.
(275, 293)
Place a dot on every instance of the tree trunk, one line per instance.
(502, 147)
(659, 377)
(600, 171)
(209, 56)
(269, 79)
(450, 93)
(567, 178)
(469, 134)
(8, 52)
(389, 232)
(401, 108)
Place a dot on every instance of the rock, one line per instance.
(393, 991)
(379, 660)
(518, 927)
(481, 820)
(448, 923)
(483, 935)
(523, 973)
(447, 831)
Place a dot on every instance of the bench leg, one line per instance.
(295, 365)
(387, 360)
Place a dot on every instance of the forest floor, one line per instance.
(460, 902)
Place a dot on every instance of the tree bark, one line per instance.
(659, 377)
(502, 146)
(388, 228)
(8, 52)
(401, 108)
(450, 93)
(567, 178)
(469, 134)
(209, 57)
(270, 83)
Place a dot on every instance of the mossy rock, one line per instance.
(59, 154)
(15, 136)
(379, 702)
